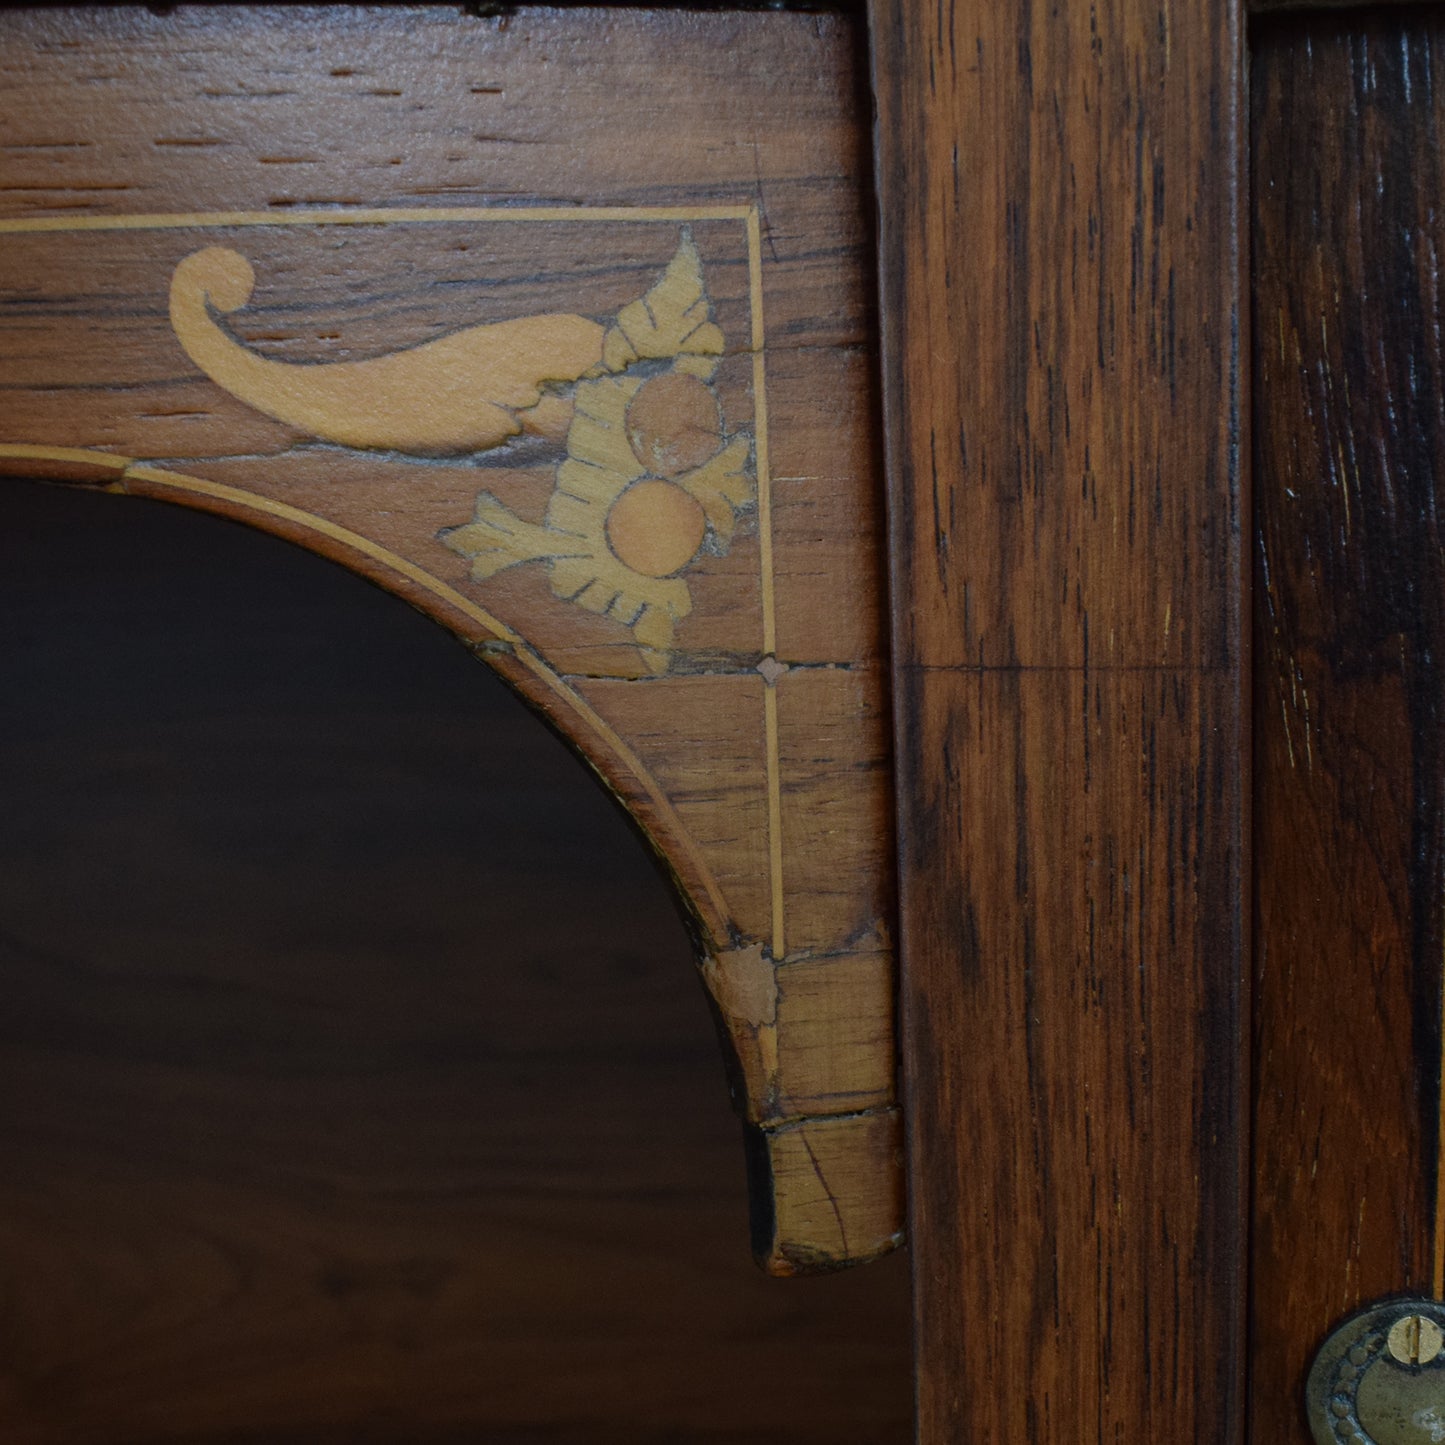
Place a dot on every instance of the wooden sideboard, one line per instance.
(563, 325)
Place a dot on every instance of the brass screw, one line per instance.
(1415, 1339)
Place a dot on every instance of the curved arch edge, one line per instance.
(502, 648)
(809, 1041)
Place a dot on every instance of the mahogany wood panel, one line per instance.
(557, 324)
(1349, 386)
(354, 1086)
(1059, 194)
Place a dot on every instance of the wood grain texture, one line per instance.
(1060, 272)
(567, 345)
(1349, 385)
(354, 1088)
(1301, 7)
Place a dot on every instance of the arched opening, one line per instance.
(356, 1083)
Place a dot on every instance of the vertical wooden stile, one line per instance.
(1349, 785)
(1063, 372)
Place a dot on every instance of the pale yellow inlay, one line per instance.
(613, 540)
(461, 393)
(769, 598)
(369, 216)
(79, 456)
(760, 423)
(655, 527)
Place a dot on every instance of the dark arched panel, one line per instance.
(406, 286)
(354, 1086)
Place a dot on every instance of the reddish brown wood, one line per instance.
(1060, 263)
(1349, 386)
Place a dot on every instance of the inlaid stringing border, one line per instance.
(748, 215)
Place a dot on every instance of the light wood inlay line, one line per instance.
(760, 424)
(769, 598)
(164, 221)
(75, 455)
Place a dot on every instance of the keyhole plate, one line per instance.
(1379, 1379)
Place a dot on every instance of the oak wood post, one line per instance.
(1061, 261)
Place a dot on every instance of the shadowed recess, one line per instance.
(355, 1083)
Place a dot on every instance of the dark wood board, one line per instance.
(1349, 393)
(1059, 218)
(1301, 8)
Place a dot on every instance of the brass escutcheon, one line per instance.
(1379, 1379)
